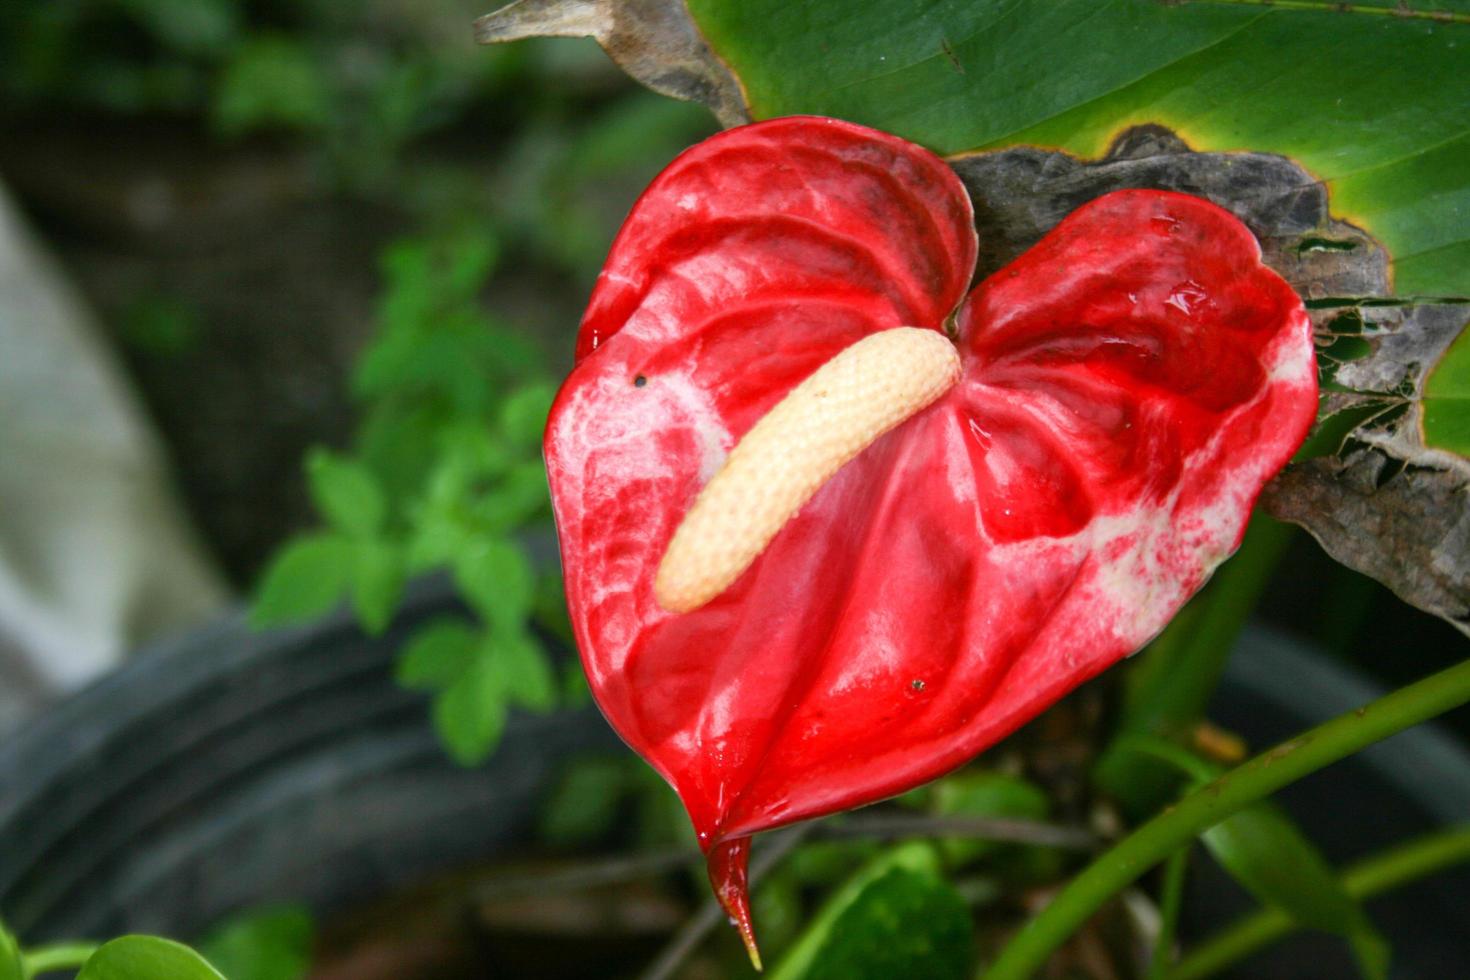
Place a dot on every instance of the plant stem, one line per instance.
(1207, 806)
(1382, 872)
(1173, 897)
(61, 956)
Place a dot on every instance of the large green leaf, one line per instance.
(1377, 106)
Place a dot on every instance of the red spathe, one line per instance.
(1129, 385)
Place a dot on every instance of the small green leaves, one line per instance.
(476, 676)
(436, 655)
(470, 712)
(446, 473)
(377, 583)
(528, 680)
(147, 958)
(497, 579)
(271, 943)
(895, 917)
(345, 492)
(303, 581)
(309, 576)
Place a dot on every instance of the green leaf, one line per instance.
(523, 416)
(271, 81)
(1375, 103)
(262, 944)
(437, 655)
(303, 580)
(1265, 852)
(895, 917)
(147, 958)
(497, 580)
(470, 713)
(11, 966)
(584, 805)
(1447, 399)
(526, 674)
(471, 450)
(377, 583)
(1263, 849)
(345, 492)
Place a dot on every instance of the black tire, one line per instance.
(233, 768)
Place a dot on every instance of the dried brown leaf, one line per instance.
(654, 41)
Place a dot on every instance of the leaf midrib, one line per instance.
(1369, 9)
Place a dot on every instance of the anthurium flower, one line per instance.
(832, 522)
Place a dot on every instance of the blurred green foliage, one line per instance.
(268, 943)
(444, 473)
(357, 84)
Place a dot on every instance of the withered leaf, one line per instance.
(655, 41)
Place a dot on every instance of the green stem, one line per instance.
(1379, 873)
(1207, 806)
(61, 956)
(1173, 897)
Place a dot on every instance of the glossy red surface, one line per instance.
(1129, 385)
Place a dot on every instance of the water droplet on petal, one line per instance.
(1186, 297)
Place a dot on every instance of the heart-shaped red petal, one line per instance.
(1129, 384)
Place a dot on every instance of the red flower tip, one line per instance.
(727, 862)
